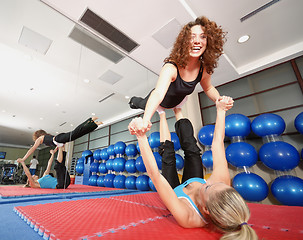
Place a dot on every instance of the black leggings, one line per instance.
(192, 156)
(63, 177)
(139, 102)
(86, 127)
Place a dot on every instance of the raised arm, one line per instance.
(167, 75)
(220, 167)
(33, 148)
(50, 162)
(165, 191)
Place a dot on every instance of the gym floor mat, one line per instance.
(143, 216)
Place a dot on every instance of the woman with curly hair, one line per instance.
(192, 60)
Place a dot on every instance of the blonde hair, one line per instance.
(229, 213)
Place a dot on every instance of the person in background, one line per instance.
(62, 179)
(33, 165)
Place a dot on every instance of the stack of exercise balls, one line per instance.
(243, 156)
(281, 157)
(205, 137)
(120, 166)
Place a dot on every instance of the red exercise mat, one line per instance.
(141, 216)
(18, 191)
(88, 218)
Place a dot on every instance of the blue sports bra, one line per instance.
(180, 194)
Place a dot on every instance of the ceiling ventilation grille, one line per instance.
(108, 96)
(85, 39)
(249, 15)
(95, 22)
(110, 77)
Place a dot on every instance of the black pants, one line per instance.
(192, 156)
(63, 177)
(139, 102)
(86, 127)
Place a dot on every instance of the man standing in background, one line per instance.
(33, 165)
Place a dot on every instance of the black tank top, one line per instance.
(48, 140)
(179, 89)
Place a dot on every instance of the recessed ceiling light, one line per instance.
(243, 39)
(41, 118)
(127, 97)
(3, 111)
(57, 104)
(93, 114)
(86, 80)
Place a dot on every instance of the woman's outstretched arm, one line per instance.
(220, 167)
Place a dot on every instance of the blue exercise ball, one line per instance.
(130, 182)
(154, 140)
(207, 159)
(241, 154)
(175, 140)
(119, 164)
(138, 148)
(80, 168)
(151, 185)
(140, 164)
(94, 167)
(102, 168)
(109, 164)
(250, 186)
(279, 156)
(119, 147)
(81, 160)
(142, 183)
(158, 160)
(97, 155)
(206, 134)
(130, 166)
(288, 190)
(268, 124)
(299, 123)
(109, 180)
(131, 150)
(111, 150)
(100, 181)
(179, 161)
(92, 181)
(237, 125)
(87, 153)
(104, 155)
(119, 181)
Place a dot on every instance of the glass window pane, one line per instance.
(122, 136)
(82, 139)
(80, 147)
(98, 143)
(99, 133)
(272, 77)
(120, 126)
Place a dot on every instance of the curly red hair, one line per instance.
(215, 41)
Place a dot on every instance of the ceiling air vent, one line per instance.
(249, 15)
(108, 96)
(86, 39)
(110, 77)
(95, 22)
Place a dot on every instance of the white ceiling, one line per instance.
(46, 90)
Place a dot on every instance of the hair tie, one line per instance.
(244, 223)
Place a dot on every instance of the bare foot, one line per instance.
(97, 122)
